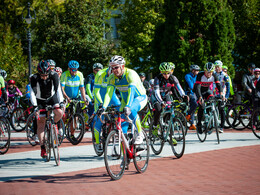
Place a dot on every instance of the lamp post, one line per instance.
(28, 20)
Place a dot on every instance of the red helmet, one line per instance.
(11, 82)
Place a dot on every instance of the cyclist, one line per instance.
(146, 84)
(247, 82)
(225, 69)
(132, 92)
(45, 90)
(99, 92)
(58, 70)
(256, 91)
(190, 80)
(165, 85)
(151, 82)
(2, 88)
(225, 84)
(89, 83)
(13, 91)
(52, 64)
(202, 89)
(4, 75)
(72, 82)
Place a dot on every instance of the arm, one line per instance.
(157, 90)
(227, 83)
(33, 91)
(189, 81)
(88, 87)
(244, 83)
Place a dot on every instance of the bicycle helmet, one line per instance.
(218, 63)
(117, 60)
(11, 82)
(58, 70)
(43, 67)
(73, 64)
(3, 73)
(172, 65)
(224, 67)
(51, 62)
(209, 66)
(151, 82)
(166, 67)
(257, 70)
(142, 74)
(97, 66)
(251, 65)
(194, 67)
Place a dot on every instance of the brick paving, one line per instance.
(225, 171)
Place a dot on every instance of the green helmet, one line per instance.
(166, 67)
(209, 66)
(224, 67)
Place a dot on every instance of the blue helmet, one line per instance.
(73, 64)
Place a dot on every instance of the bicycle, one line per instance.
(19, 117)
(120, 149)
(255, 122)
(5, 135)
(75, 125)
(210, 121)
(170, 130)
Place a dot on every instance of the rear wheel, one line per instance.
(141, 154)
(4, 136)
(216, 125)
(255, 125)
(241, 115)
(183, 120)
(114, 156)
(55, 144)
(18, 119)
(177, 137)
(156, 140)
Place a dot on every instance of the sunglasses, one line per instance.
(166, 73)
(257, 73)
(115, 68)
(73, 69)
(52, 67)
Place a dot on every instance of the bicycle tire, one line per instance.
(183, 119)
(156, 141)
(255, 123)
(61, 136)
(29, 129)
(202, 137)
(79, 130)
(227, 125)
(97, 151)
(178, 134)
(47, 143)
(5, 136)
(231, 118)
(216, 125)
(141, 154)
(18, 119)
(55, 144)
(239, 125)
(115, 160)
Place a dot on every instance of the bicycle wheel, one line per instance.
(55, 144)
(240, 117)
(29, 128)
(245, 117)
(115, 156)
(18, 119)
(156, 140)
(47, 143)
(183, 120)
(255, 124)
(227, 125)
(97, 150)
(177, 137)
(216, 125)
(61, 134)
(231, 118)
(5, 136)
(202, 137)
(76, 127)
(141, 154)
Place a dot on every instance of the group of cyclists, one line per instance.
(127, 90)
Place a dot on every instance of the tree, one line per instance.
(195, 32)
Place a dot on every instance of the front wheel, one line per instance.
(255, 123)
(156, 140)
(18, 119)
(141, 154)
(4, 136)
(75, 129)
(115, 156)
(216, 125)
(31, 129)
(177, 137)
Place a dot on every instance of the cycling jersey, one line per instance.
(12, 91)
(72, 84)
(44, 90)
(190, 80)
(3, 90)
(161, 88)
(203, 83)
(225, 84)
(90, 85)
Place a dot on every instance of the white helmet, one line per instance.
(117, 60)
(218, 63)
(151, 82)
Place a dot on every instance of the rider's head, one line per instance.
(194, 69)
(209, 69)
(73, 66)
(218, 66)
(117, 65)
(251, 67)
(166, 69)
(224, 69)
(11, 83)
(97, 67)
(52, 64)
(257, 72)
(43, 69)
(58, 70)
(142, 76)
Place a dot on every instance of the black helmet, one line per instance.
(43, 67)
(251, 65)
(142, 74)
